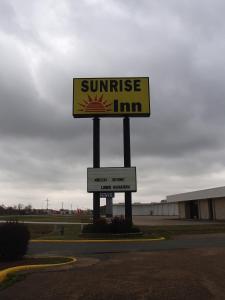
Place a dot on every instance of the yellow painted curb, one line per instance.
(4, 273)
(98, 241)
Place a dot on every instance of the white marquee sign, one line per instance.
(111, 180)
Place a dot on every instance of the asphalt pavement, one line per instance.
(84, 248)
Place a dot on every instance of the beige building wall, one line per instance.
(219, 208)
(182, 213)
(148, 209)
(203, 209)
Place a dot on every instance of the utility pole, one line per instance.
(47, 201)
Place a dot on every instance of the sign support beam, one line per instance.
(127, 163)
(109, 207)
(96, 164)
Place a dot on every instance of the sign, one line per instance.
(111, 180)
(111, 97)
(107, 195)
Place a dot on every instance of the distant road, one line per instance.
(107, 247)
(46, 222)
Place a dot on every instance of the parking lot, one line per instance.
(167, 220)
(178, 274)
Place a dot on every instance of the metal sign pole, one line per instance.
(96, 164)
(109, 207)
(127, 163)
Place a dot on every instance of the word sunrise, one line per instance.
(111, 97)
(111, 85)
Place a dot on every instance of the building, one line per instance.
(206, 204)
(148, 209)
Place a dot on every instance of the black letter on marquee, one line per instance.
(137, 87)
(113, 86)
(136, 105)
(125, 107)
(84, 85)
(115, 105)
(103, 86)
(94, 85)
(128, 85)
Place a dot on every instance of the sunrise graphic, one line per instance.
(95, 105)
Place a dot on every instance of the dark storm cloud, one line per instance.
(179, 44)
(23, 111)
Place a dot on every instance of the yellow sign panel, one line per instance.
(111, 97)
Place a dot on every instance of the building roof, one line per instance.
(218, 192)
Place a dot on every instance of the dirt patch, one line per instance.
(177, 274)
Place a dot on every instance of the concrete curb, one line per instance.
(4, 273)
(98, 241)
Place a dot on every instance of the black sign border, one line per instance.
(117, 115)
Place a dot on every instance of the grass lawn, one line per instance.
(72, 231)
(15, 277)
(51, 231)
(169, 231)
(78, 218)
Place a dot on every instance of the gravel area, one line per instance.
(177, 274)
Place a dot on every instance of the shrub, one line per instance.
(121, 225)
(14, 238)
(116, 225)
(100, 226)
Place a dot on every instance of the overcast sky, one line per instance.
(179, 44)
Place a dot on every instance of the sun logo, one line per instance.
(95, 105)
